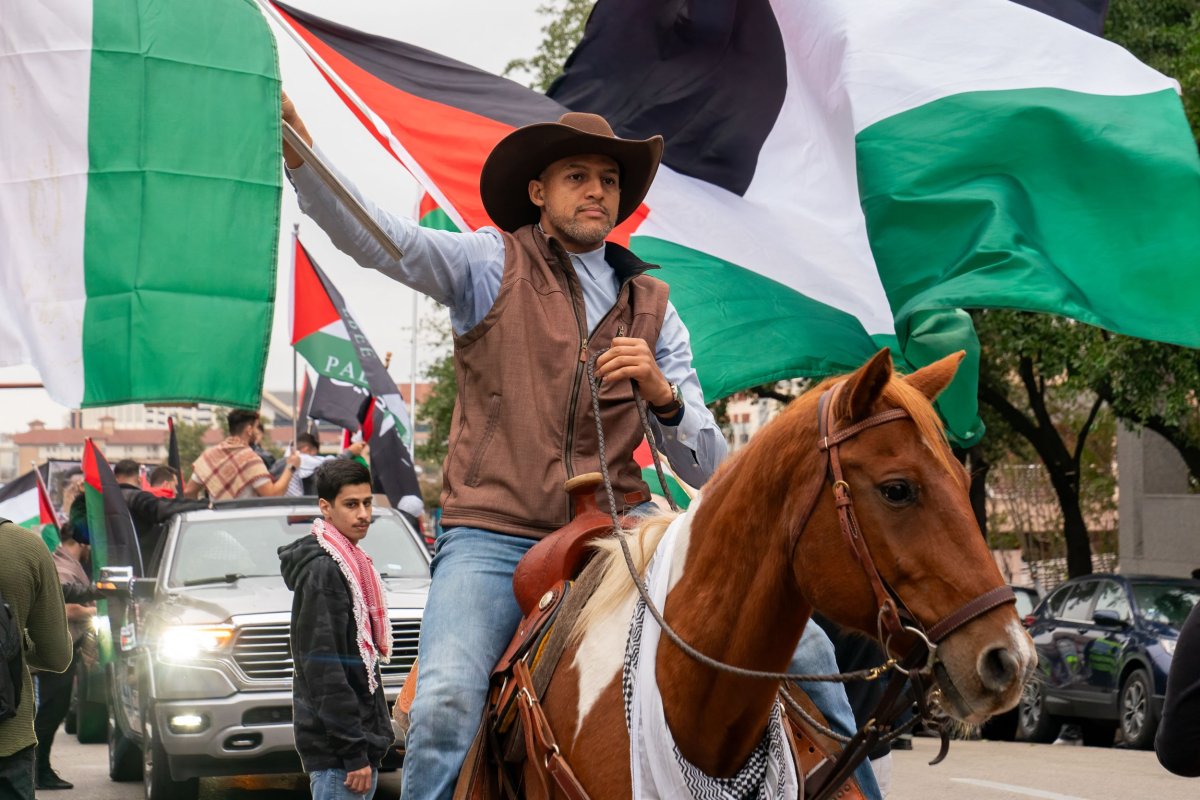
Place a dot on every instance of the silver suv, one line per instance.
(199, 672)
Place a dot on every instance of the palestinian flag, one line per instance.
(325, 333)
(349, 369)
(47, 524)
(113, 537)
(25, 501)
(842, 176)
(645, 460)
(139, 198)
(19, 501)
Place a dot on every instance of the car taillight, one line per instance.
(1029, 620)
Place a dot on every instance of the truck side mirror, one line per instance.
(114, 580)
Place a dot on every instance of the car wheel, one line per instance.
(124, 757)
(1098, 734)
(1002, 727)
(1139, 723)
(156, 770)
(1034, 723)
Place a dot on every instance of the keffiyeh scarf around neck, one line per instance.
(657, 767)
(368, 600)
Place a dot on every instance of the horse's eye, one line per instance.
(898, 493)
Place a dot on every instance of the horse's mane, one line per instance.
(616, 587)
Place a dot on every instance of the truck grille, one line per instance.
(262, 652)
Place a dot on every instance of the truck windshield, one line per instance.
(208, 549)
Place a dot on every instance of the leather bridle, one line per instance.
(893, 619)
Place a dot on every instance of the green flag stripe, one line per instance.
(650, 476)
(183, 200)
(438, 220)
(747, 329)
(97, 529)
(1102, 231)
(333, 357)
(49, 534)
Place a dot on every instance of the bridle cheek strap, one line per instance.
(892, 614)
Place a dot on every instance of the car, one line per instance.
(197, 666)
(1104, 645)
(1003, 727)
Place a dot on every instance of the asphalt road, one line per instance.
(1014, 770)
(972, 771)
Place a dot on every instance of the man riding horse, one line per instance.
(530, 301)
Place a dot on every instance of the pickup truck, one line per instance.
(195, 659)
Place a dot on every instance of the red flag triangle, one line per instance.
(312, 309)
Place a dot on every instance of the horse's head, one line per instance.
(910, 498)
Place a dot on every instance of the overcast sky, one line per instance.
(485, 33)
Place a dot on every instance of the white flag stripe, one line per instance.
(21, 508)
(923, 50)
(43, 186)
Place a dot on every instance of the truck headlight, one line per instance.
(188, 642)
(1168, 646)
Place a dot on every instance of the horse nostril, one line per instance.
(998, 669)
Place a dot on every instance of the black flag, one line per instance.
(173, 457)
(392, 470)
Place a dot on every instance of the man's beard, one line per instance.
(582, 232)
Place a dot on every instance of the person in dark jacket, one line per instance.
(339, 632)
(1177, 742)
(54, 689)
(147, 510)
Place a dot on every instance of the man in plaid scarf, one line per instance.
(340, 634)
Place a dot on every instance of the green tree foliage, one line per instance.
(560, 34)
(191, 444)
(1151, 385)
(1037, 403)
(438, 409)
(1166, 35)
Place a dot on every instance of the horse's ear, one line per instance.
(931, 380)
(864, 387)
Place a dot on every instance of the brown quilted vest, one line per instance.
(523, 419)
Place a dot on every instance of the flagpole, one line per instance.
(395, 147)
(412, 381)
(343, 194)
(295, 356)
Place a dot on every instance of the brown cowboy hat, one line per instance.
(522, 155)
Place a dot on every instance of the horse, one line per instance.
(764, 548)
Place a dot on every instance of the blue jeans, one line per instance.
(814, 656)
(330, 784)
(470, 618)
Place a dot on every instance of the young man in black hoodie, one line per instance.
(340, 632)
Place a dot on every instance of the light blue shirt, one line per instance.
(462, 271)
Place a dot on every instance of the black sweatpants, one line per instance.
(54, 700)
(16, 775)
